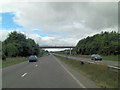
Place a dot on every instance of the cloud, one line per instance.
(76, 20)
(51, 40)
(50, 15)
(4, 34)
(42, 41)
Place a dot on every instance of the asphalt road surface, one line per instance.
(107, 62)
(48, 72)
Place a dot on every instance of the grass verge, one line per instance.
(101, 74)
(12, 61)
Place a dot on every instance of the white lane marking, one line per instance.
(36, 65)
(78, 82)
(24, 74)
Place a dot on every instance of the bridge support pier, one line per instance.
(70, 51)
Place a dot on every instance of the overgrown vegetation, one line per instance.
(99, 73)
(17, 45)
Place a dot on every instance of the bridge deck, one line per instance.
(57, 46)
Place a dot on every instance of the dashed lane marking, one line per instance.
(24, 74)
(36, 65)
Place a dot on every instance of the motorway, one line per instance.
(106, 62)
(48, 72)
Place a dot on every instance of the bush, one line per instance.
(3, 56)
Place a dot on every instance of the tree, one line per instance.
(105, 43)
(17, 45)
(15, 37)
(12, 51)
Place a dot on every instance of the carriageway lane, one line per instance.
(107, 62)
(48, 72)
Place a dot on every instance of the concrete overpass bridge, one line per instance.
(70, 47)
(57, 46)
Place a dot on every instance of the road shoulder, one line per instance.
(88, 83)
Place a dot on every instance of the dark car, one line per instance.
(33, 58)
(96, 57)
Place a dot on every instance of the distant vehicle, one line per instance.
(33, 58)
(96, 57)
(48, 53)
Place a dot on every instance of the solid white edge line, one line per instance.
(24, 74)
(78, 82)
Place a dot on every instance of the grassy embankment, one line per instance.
(12, 61)
(102, 75)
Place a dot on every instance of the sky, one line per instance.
(57, 23)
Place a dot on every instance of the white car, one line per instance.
(96, 57)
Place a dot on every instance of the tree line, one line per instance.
(16, 44)
(105, 43)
